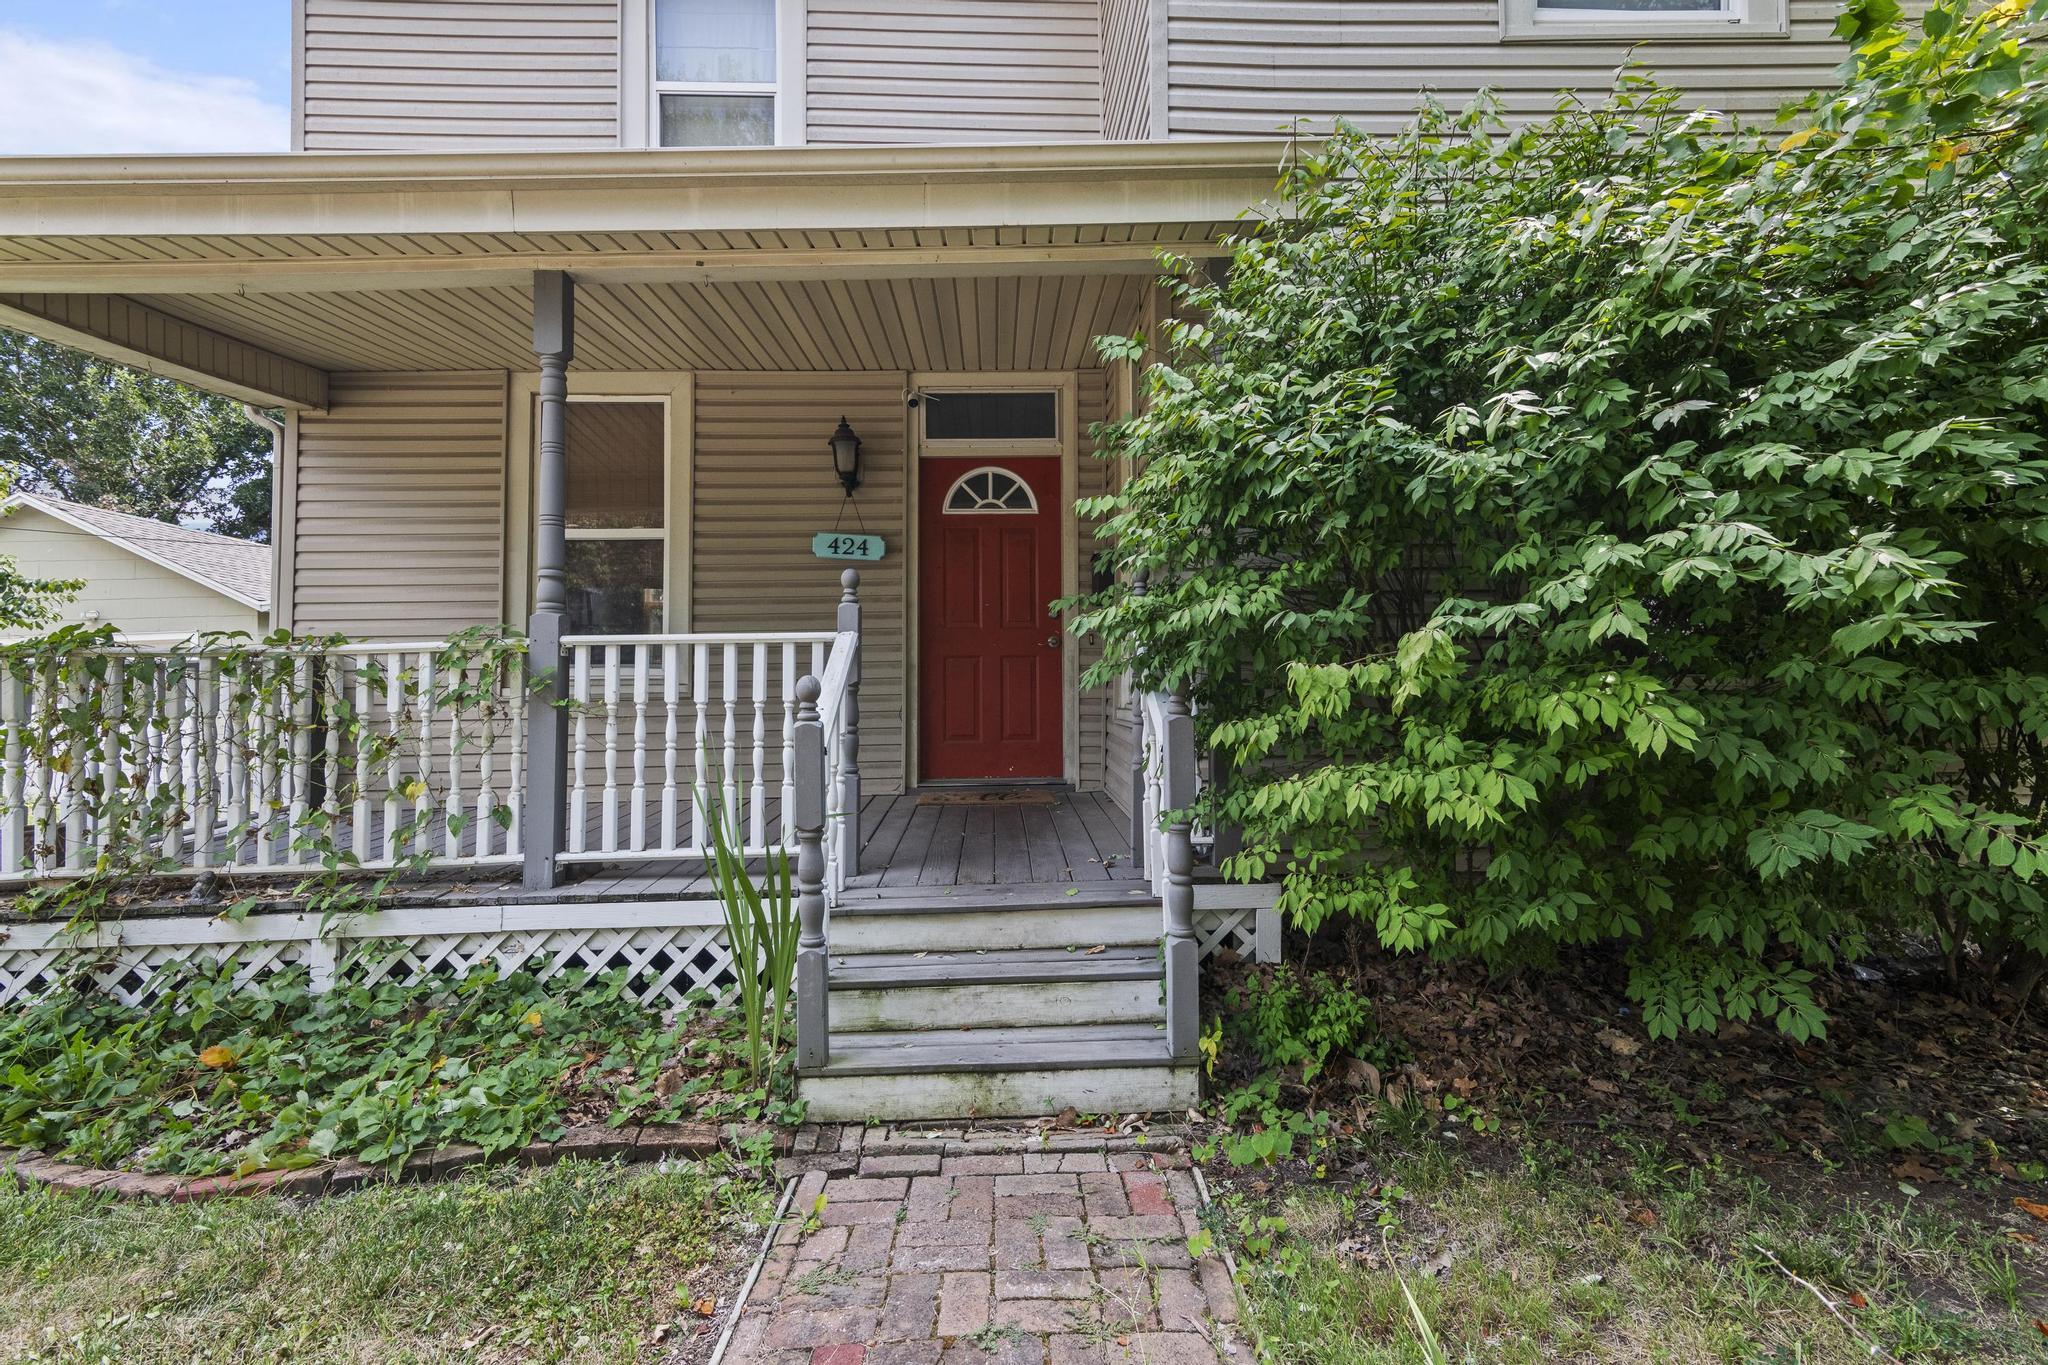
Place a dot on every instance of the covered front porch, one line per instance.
(586, 409)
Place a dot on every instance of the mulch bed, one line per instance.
(589, 1142)
(1912, 1086)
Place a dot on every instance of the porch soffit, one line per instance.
(1007, 322)
(784, 259)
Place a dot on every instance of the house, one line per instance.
(143, 577)
(635, 322)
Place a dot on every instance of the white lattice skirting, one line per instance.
(667, 950)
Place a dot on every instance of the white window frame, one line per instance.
(640, 97)
(1523, 21)
(952, 447)
(661, 532)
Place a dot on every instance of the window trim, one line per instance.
(1522, 21)
(640, 94)
(952, 447)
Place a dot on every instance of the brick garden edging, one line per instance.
(591, 1142)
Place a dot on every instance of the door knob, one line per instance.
(1052, 642)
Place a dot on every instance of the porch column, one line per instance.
(1140, 836)
(813, 984)
(1183, 979)
(547, 727)
(848, 794)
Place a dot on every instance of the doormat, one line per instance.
(1022, 796)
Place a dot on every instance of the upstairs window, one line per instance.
(715, 70)
(1636, 19)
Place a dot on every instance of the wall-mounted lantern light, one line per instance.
(846, 457)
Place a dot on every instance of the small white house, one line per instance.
(145, 577)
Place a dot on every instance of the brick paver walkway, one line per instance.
(978, 1251)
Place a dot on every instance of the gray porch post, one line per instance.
(813, 1021)
(848, 794)
(547, 728)
(1138, 830)
(1182, 968)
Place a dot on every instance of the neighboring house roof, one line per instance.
(239, 569)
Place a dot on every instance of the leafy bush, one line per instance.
(213, 1076)
(1638, 525)
(1291, 1021)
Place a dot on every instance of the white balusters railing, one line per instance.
(629, 801)
(1171, 785)
(151, 759)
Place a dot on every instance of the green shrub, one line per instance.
(214, 1076)
(1291, 1021)
(1639, 526)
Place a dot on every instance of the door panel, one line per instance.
(988, 643)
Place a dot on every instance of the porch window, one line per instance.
(715, 72)
(1635, 19)
(618, 536)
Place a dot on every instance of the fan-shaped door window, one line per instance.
(989, 489)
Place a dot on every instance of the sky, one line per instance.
(114, 76)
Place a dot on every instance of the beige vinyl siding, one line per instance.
(447, 75)
(397, 506)
(1248, 67)
(122, 589)
(763, 487)
(1127, 70)
(910, 71)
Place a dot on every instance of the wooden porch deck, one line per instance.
(933, 842)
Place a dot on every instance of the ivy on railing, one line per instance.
(344, 764)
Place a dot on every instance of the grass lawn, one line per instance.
(581, 1262)
(1529, 1260)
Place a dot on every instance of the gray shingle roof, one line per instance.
(239, 568)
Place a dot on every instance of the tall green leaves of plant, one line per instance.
(761, 929)
(1631, 531)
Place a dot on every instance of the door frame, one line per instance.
(1063, 383)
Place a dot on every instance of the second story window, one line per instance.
(714, 73)
(1636, 19)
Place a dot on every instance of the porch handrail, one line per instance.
(827, 796)
(1168, 766)
(658, 723)
(232, 756)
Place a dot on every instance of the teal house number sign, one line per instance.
(839, 545)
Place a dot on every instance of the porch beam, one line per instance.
(120, 329)
(277, 275)
(554, 345)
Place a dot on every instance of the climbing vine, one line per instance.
(343, 765)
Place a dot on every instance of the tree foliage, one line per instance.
(1629, 529)
(95, 432)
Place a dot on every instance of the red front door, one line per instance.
(988, 642)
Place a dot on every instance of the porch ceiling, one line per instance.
(260, 275)
(1009, 322)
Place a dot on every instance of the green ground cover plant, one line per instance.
(579, 1262)
(1629, 531)
(212, 1076)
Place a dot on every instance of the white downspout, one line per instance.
(276, 430)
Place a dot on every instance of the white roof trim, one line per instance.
(55, 507)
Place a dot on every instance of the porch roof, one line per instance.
(257, 275)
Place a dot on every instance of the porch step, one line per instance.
(998, 1073)
(880, 992)
(932, 924)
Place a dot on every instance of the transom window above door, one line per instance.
(715, 73)
(989, 489)
(1008, 416)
